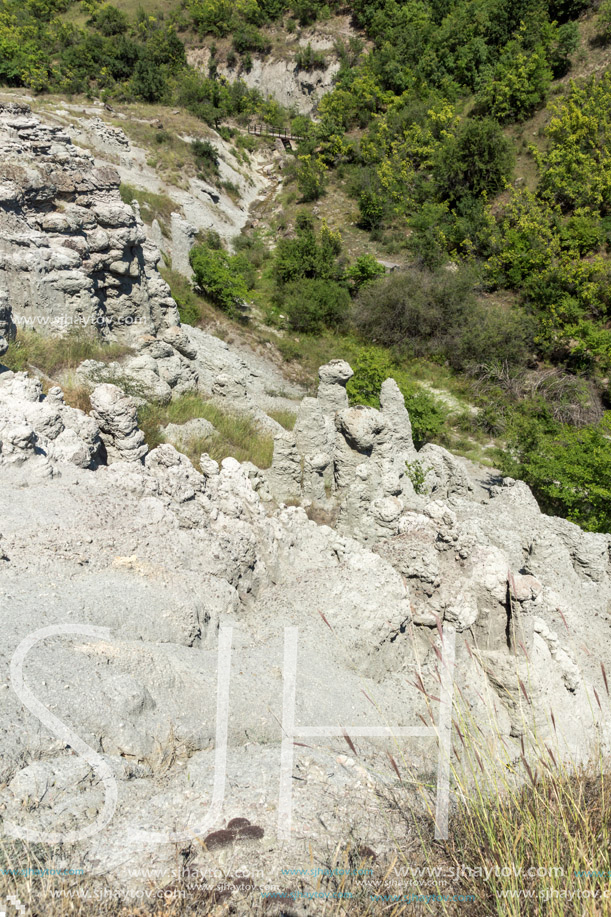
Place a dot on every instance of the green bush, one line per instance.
(247, 38)
(219, 278)
(436, 314)
(314, 304)
(372, 209)
(477, 159)
(365, 269)
(568, 469)
(308, 255)
(311, 178)
(109, 20)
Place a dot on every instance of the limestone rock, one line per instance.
(117, 417)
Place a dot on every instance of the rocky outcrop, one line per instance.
(353, 458)
(71, 252)
(165, 556)
(117, 417)
(278, 79)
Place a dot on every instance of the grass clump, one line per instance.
(286, 419)
(153, 206)
(236, 434)
(551, 835)
(50, 355)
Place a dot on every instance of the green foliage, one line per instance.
(603, 21)
(206, 158)
(436, 314)
(219, 277)
(363, 271)
(417, 475)
(567, 42)
(247, 38)
(309, 255)
(109, 20)
(313, 304)
(311, 177)
(519, 84)
(477, 159)
(568, 469)
(148, 81)
(372, 209)
(576, 168)
(309, 59)
(372, 366)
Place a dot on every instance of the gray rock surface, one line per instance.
(165, 557)
(71, 252)
(180, 434)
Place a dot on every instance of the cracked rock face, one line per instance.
(98, 531)
(70, 250)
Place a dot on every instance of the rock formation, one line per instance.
(98, 531)
(165, 556)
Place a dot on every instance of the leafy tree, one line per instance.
(568, 469)
(576, 168)
(311, 178)
(149, 81)
(365, 269)
(313, 304)
(477, 159)
(308, 255)
(372, 209)
(218, 276)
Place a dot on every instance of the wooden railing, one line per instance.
(261, 130)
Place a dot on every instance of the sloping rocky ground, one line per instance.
(98, 532)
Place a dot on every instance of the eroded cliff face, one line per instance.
(71, 252)
(277, 78)
(99, 531)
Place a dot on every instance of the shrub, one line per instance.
(308, 255)
(216, 275)
(205, 153)
(567, 42)
(477, 159)
(569, 470)
(372, 209)
(311, 178)
(109, 20)
(149, 81)
(314, 304)
(247, 38)
(309, 59)
(363, 271)
(437, 314)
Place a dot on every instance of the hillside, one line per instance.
(305, 458)
(464, 143)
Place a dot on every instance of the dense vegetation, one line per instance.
(509, 280)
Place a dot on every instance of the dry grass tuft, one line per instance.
(236, 434)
